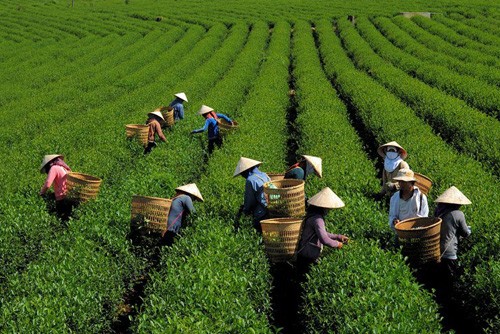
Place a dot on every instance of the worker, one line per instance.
(214, 137)
(314, 234)
(254, 200)
(181, 206)
(453, 225)
(56, 169)
(304, 167)
(154, 119)
(408, 201)
(177, 105)
(394, 156)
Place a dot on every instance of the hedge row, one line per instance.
(386, 118)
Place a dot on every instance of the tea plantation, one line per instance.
(333, 79)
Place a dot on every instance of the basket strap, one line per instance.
(176, 218)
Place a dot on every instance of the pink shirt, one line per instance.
(57, 175)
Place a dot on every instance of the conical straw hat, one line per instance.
(326, 198)
(405, 174)
(381, 149)
(316, 163)
(156, 113)
(182, 96)
(245, 164)
(48, 158)
(191, 189)
(205, 110)
(453, 196)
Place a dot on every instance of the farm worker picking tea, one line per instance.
(254, 201)
(452, 226)
(394, 156)
(182, 205)
(314, 233)
(408, 201)
(153, 122)
(212, 126)
(304, 167)
(178, 106)
(56, 169)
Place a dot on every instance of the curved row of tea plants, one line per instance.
(466, 128)
(358, 286)
(407, 43)
(387, 119)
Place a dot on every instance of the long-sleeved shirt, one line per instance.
(415, 206)
(180, 207)
(389, 186)
(212, 126)
(254, 200)
(57, 175)
(178, 108)
(295, 173)
(453, 225)
(155, 127)
(314, 235)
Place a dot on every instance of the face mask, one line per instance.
(392, 155)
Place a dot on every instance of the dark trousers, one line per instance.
(64, 208)
(150, 146)
(214, 141)
(168, 239)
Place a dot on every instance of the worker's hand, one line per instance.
(340, 245)
(344, 239)
(395, 222)
(232, 122)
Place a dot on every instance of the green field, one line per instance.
(300, 78)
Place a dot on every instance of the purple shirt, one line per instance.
(314, 234)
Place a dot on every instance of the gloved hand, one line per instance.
(340, 245)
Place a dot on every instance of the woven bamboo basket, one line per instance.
(225, 127)
(423, 183)
(167, 115)
(420, 238)
(281, 237)
(139, 131)
(285, 198)
(150, 213)
(82, 187)
(276, 176)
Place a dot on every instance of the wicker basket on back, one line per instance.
(420, 238)
(167, 115)
(225, 127)
(150, 214)
(138, 131)
(82, 187)
(285, 198)
(276, 176)
(281, 237)
(423, 183)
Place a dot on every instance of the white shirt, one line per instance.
(415, 206)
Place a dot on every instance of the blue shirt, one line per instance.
(180, 207)
(212, 126)
(254, 200)
(178, 108)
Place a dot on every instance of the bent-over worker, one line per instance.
(214, 137)
(56, 169)
(306, 166)
(153, 122)
(178, 106)
(394, 156)
(314, 233)
(254, 200)
(181, 206)
(408, 201)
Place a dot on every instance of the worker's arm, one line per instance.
(159, 131)
(204, 128)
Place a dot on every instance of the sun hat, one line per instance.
(245, 164)
(381, 149)
(205, 110)
(191, 189)
(453, 196)
(405, 174)
(182, 96)
(48, 158)
(316, 163)
(156, 113)
(326, 198)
